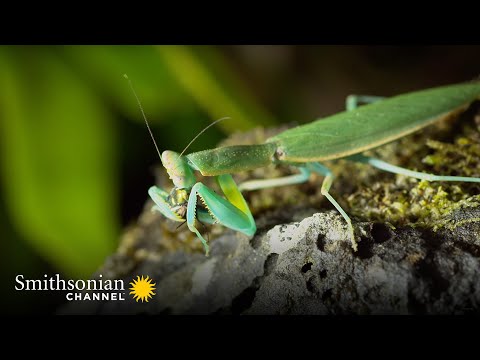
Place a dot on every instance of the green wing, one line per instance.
(373, 125)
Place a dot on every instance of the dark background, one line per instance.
(76, 159)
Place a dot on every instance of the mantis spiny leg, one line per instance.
(232, 212)
(160, 196)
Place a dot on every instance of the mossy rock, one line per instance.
(418, 241)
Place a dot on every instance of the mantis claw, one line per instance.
(220, 210)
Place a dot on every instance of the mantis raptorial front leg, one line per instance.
(173, 209)
(181, 205)
(232, 212)
(162, 204)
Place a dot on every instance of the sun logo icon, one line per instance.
(142, 288)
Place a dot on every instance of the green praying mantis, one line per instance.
(344, 135)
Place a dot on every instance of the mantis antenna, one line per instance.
(201, 132)
(150, 131)
(144, 117)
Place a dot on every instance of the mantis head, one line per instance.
(174, 204)
(178, 170)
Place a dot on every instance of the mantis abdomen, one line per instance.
(369, 126)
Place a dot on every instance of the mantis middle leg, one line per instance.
(303, 176)
(327, 183)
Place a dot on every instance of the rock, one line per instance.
(309, 267)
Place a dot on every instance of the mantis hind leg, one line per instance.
(382, 165)
(353, 101)
(327, 183)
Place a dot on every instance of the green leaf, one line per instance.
(104, 66)
(218, 98)
(58, 163)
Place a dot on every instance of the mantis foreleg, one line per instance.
(160, 197)
(232, 212)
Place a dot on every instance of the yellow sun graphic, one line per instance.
(142, 288)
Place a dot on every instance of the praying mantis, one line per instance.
(344, 135)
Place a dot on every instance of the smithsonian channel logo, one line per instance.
(100, 289)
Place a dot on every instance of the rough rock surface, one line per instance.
(308, 267)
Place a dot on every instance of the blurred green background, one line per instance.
(76, 159)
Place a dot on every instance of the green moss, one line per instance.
(451, 148)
